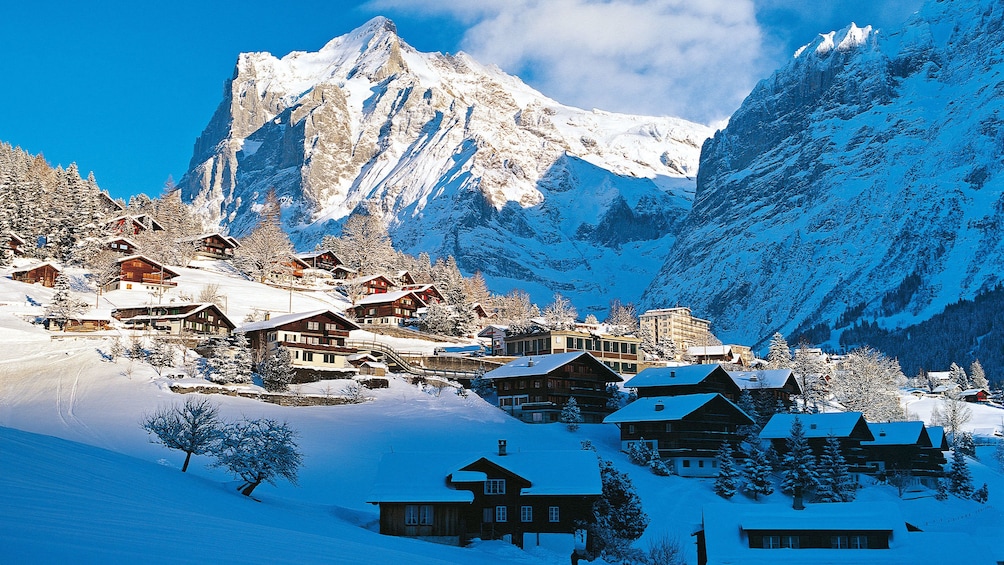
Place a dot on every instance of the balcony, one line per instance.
(158, 280)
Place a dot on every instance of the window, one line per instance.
(488, 515)
(308, 355)
(272, 336)
(501, 514)
(538, 417)
(606, 346)
(411, 515)
(311, 339)
(790, 541)
(526, 514)
(838, 542)
(425, 515)
(858, 542)
(330, 327)
(553, 514)
(634, 349)
(569, 342)
(329, 358)
(771, 542)
(495, 486)
(631, 428)
(669, 427)
(536, 384)
(686, 462)
(313, 326)
(700, 463)
(578, 343)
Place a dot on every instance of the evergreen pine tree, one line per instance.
(63, 306)
(748, 405)
(725, 484)
(981, 494)
(960, 481)
(798, 465)
(759, 469)
(978, 376)
(619, 518)
(964, 442)
(835, 482)
(571, 416)
(958, 375)
(277, 371)
(779, 354)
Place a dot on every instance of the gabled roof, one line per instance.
(29, 268)
(490, 330)
(552, 473)
(200, 237)
(147, 260)
(385, 297)
(898, 433)
(14, 236)
(418, 477)
(277, 321)
(672, 376)
(198, 308)
(538, 365)
(366, 279)
(937, 436)
(771, 378)
(840, 424)
(668, 408)
(317, 253)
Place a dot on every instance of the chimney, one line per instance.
(529, 363)
(672, 374)
(659, 406)
(501, 448)
(268, 315)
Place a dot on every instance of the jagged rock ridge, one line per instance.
(458, 158)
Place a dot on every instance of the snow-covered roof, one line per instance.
(490, 330)
(937, 435)
(941, 389)
(972, 391)
(200, 307)
(898, 433)
(663, 408)
(671, 376)
(533, 365)
(148, 260)
(34, 266)
(940, 375)
(312, 254)
(384, 297)
(418, 477)
(554, 473)
(205, 236)
(840, 424)
(277, 321)
(771, 378)
(710, 350)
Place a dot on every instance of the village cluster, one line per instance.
(685, 404)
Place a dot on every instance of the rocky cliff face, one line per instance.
(458, 159)
(860, 182)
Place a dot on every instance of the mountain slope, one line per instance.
(457, 158)
(861, 181)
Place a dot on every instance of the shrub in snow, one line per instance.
(725, 484)
(193, 427)
(665, 550)
(482, 386)
(657, 465)
(570, 415)
(258, 451)
(981, 494)
(230, 361)
(277, 371)
(798, 465)
(942, 490)
(354, 392)
(960, 482)
(759, 469)
(160, 355)
(640, 453)
(835, 482)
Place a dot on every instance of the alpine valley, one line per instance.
(859, 186)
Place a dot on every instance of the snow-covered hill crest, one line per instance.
(860, 182)
(457, 157)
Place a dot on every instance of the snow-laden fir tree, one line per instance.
(618, 514)
(981, 494)
(798, 466)
(560, 314)
(869, 383)
(193, 427)
(257, 451)
(665, 349)
(230, 360)
(63, 306)
(965, 443)
(779, 354)
(960, 481)
(728, 475)
(977, 376)
(759, 470)
(516, 311)
(835, 482)
(571, 416)
(639, 452)
(277, 371)
(810, 370)
(958, 375)
(748, 405)
(160, 355)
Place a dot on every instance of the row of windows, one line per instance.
(328, 358)
(622, 367)
(500, 514)
(328, 326)
(795, 542)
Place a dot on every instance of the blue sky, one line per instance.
(124, 88)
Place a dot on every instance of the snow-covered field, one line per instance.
(80, 481)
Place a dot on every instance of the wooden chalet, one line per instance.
(374, 284)
(213, 245)
(621, 353)
(686, 430)
(777, 384)
(405, 278)
(122, 245)
(427, 292)
(15, 245)
(684, 379)
(535, 389)
(840, 532)
(132, 225)
(315, 340)
(736, 355)
(108, 204)
(496, 334)
(527, 498)
(849, 428)
(324, 260)
(92, 321)
(975, 395)
(137, 272)
(904, 447)
(387, 308)
(178, 319)
(42, 273)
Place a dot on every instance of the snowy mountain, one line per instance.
(861, 182)
(457, 158)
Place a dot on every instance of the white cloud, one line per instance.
(695, 60)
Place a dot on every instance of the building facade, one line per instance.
(677, 325)
(621, 353)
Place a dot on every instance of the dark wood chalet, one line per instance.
(685, 379)
(387, 308)
(178, 319)
(849, 428)
(904, 447)
(975, 395)
(212, 245)
(777, 384)
(324, 260)
(374, 284)
(14, 245)
(427, 292)
(43, 273)
(315, 340)
(122, 245)
(405, 278)
(131, 225)
(109, 205)
(137, 272)
(522, 497)
(535, 389)
(686, 430)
